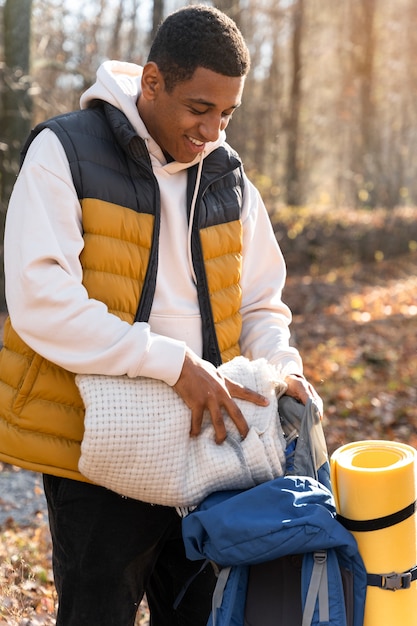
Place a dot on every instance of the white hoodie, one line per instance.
(48, 305)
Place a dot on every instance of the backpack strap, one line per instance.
(219, 591)
(393, 581)
(187, 583)
(318, 588)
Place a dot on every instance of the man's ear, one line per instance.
(152, 81)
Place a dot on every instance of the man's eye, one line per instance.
(197, 112)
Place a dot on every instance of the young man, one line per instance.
(135, 245)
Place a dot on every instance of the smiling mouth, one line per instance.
(196, 142)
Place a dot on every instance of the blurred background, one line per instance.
(328, 133)
(329, 113)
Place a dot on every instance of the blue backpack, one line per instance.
(282, 557)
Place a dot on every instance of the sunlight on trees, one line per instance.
(328, 114)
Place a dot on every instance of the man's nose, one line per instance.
(211, 127)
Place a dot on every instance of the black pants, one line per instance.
(109, 550)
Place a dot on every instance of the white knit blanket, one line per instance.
(137, 443)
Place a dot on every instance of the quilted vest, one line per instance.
(41, 411)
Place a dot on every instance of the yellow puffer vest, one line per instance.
(41, 412)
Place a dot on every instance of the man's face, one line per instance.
(193, 113)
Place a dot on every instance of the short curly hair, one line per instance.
(198, 36)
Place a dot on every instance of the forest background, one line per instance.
(328, 133)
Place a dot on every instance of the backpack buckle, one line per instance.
(395, 581)
(320, 556)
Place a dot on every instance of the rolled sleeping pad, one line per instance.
(375, 488)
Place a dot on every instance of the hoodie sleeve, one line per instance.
(266, 318)
(48, 305)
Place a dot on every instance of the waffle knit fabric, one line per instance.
(137, 443)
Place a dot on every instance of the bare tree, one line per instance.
(157, 16)
(395, 111)
(293, 195)
(15, 95)
(132, 18)
(116, 32)
(15, 102)
(328, 113)
(231, 8)
(363, 51)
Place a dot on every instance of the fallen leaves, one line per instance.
(357, 333)
(27, 593)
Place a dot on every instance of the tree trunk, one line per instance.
(15, 99)
(293, 192)
(157, 15)
(363, 47)
(16, 105)
(231, 8)
(114, 48)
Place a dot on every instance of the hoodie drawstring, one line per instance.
(190, 223)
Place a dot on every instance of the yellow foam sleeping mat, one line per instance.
(375, 488)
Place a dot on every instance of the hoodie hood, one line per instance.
(119, 84)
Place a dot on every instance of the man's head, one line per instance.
(198, 36)
(193, 81)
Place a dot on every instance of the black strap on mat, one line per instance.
(379, 522)
(393, 581)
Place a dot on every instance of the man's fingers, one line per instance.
(302, 390)
(244, 393)
(238, 418)
(220, 432)
(217, 414)
(205, 390)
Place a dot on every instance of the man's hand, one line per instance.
(300, 389)
(202, 388)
